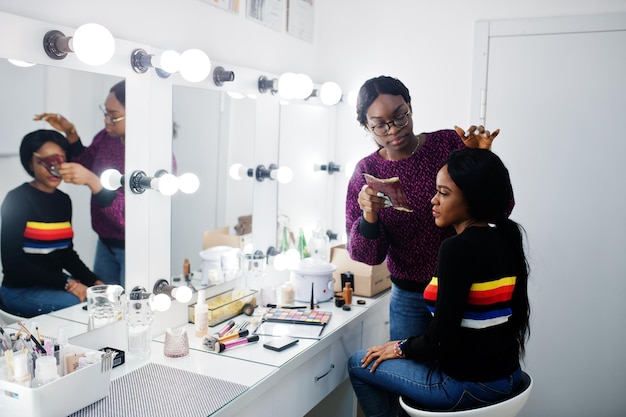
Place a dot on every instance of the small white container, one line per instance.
(58, 398)
(313, 274)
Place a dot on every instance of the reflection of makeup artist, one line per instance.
(107, 150)
(37, 235)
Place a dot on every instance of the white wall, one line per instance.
(354, 40)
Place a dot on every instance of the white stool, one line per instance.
(509, 407)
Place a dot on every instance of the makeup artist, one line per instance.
(37, 236)
(107, 150)
(407, 240)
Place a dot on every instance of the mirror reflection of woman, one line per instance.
(107, 150)
(37, 235)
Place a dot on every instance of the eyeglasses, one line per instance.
(382, 129)
(108, 117)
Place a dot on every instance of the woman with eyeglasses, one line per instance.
(107, 150)
(36, 236)
(470, 354)
(406, 237)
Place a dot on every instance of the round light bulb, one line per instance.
(293, 257)
(169, 61)
(182, 294)
(195, 65)
(188, 183)
(330, 93)
(303, 86)
(284, 175)
(236, 171)
(280, 262)
(287, 85)
(93, 44)
(111, 179)
(162, 302)
(167, 184)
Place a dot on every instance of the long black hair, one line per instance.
(486, 185)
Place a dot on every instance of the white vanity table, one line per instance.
(288, 383)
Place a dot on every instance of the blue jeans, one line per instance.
(110, 263)
(33, 301)
(424, 383)
(408, 314)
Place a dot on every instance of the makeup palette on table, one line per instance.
(283, 321)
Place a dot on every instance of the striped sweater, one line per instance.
(36, 240)
(470, 299)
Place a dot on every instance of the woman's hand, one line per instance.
(59, 123)
(78, 289)
(379, 354)
(477, 136)
(74, 173)
(370, 202)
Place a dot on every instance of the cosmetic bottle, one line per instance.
(201, 315)
(20, 370)
(347, 293)
(45, 371)
(287, 294)
(186, 269)
(61, 349)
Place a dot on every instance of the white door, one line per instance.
(557, 90)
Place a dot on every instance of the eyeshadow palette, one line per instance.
(284, 315)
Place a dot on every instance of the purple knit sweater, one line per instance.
(409, 241)
(104, 152)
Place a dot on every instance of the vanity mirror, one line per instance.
(307, 137)
(211, 132)
(32, 90)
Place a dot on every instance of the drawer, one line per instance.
(311, 381)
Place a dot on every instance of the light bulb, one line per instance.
(287, 85)
(188, 183)
(182, 294)
(93, 44)
(280, 262)
(111, 179)
(195, 65)
(293, 257)
(167, 184)
(237, 171)
(284, 175)
(169, 61)
(162, 302)
(330, 93)
(303, 87)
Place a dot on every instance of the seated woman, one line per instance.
(36, 236)
(470, 354)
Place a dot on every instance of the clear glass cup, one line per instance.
(104, 305)
(176, 343)
(139, 314)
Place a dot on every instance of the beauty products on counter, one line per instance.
(201, 314)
